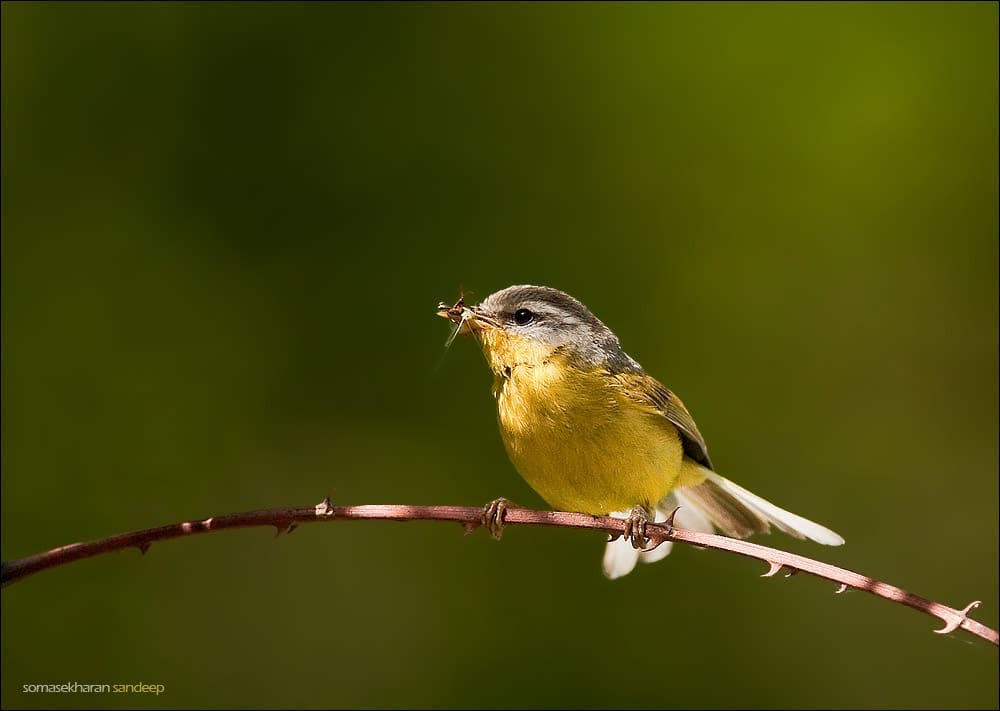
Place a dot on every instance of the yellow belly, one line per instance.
(582, 444)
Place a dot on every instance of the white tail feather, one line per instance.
(783, 520)
(619, 555)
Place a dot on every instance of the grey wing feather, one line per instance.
(649, 390)
(694, 443)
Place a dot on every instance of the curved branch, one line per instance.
(470, 517)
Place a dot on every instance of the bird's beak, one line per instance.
(452, 313)
(468, 319)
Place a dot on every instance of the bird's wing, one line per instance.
(647, 390)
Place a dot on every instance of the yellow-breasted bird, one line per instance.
(592, 432)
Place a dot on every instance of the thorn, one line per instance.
(612, 537)
(143, 547)
(470, 527)
(971, 606)
(842, 588)
(324, 509)
(656, 544)
(283, 527)
(669, 523)
(791, 572)
(775, 567)
(291, 527)
(952, 625)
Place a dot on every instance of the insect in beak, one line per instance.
(458, 314)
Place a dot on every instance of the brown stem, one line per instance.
(470, 517)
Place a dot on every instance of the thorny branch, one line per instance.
(285, 520)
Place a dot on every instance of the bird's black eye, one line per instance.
(522, 317)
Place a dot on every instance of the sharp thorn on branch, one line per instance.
(842, 588)
(656, 543)
(143, 547)
(774, 568)
(669, 523)
(971, 606)
(951, 625)
(960, 617)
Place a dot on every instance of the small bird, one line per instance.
(592, 432)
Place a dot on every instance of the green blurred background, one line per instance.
(225, 229)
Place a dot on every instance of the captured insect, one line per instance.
(458, 314)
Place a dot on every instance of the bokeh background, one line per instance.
(225, 229)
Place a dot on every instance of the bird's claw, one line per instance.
(493, 514)
(635, 527)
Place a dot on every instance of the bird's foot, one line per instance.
(635, 527)
(493, 514)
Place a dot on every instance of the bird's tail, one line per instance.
(712, 503)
